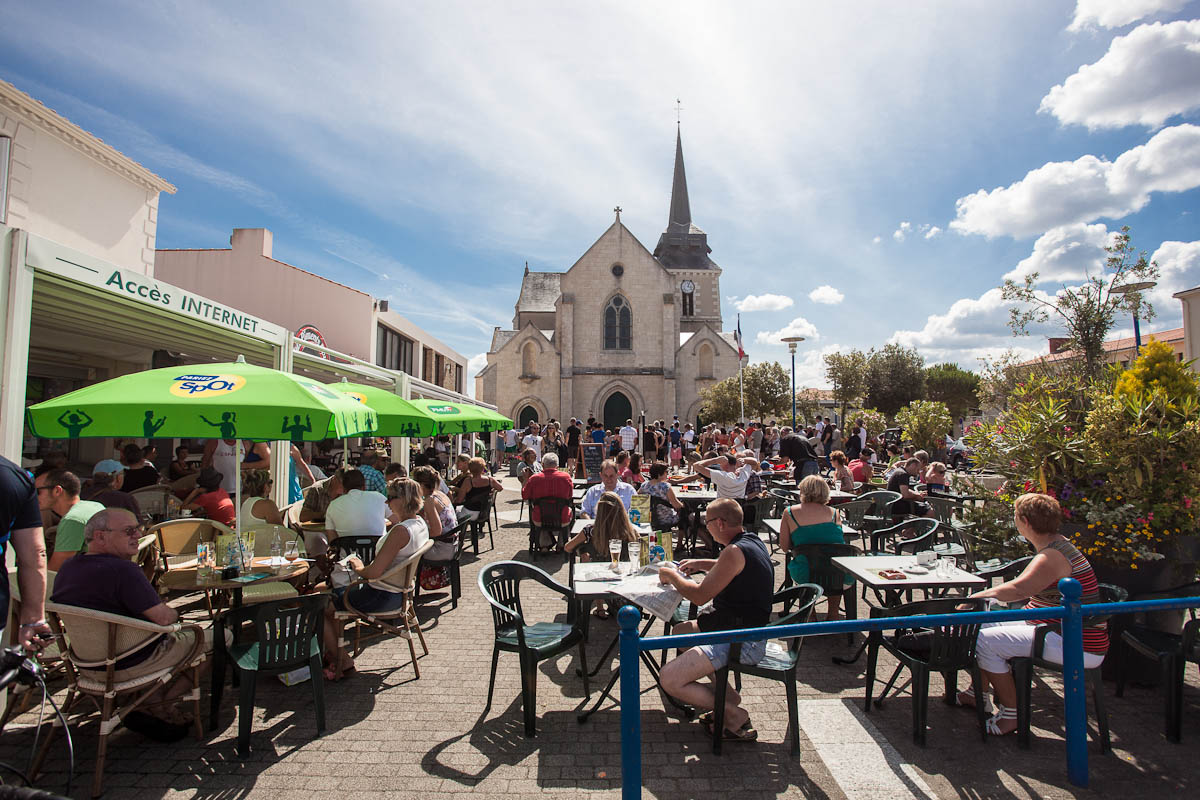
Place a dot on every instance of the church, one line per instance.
(623, 332)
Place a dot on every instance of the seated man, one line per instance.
(106, 579)
(58, 491)
(739, 584)
(901, 480)
(108, 478)
(609, 482)
(529, 465)
(318, 497)
(550, 482)
(860, 468)
(729, 474)
(358, 512)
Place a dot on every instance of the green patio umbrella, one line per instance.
(463, 417)
(397, 416)
(205, 401)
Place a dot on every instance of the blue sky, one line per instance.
(865, 174)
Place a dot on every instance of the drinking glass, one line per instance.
(292, 552)
(204, 560)
(614, 551)
(635, 556)
(946, 566)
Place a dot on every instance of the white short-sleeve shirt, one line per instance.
(730, 484)
(357, 513)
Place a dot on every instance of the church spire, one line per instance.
(681, 210)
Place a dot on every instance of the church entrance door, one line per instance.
(617, 409)
(528, 414)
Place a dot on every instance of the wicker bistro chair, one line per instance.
(402, 578)
(500, 584)
(177, 539)
(155, 501)
(49, 655)
(285, 638)
(95, 642)
(1022, 669)
(946, 650)
(778, 664)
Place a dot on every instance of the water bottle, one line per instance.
(276, 550)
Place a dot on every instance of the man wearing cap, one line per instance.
(108, 478)
(372, 462)
(58, 491)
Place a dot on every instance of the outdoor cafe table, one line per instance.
(187, 579)
(595, 580)
(867, 569)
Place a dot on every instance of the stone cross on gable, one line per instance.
(618, 212)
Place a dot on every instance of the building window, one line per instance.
(458, 378)
(5, 152)
(427, 373)
(439, 370)
(704, 361)
(393, 351)
(689, 304)
(618, 325)
(529, 359)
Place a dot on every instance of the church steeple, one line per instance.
(682, 245)
(680, 220)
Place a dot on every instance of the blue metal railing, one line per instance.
(1071, 612)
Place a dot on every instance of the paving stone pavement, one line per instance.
(391, 735)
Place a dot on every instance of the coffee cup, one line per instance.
(926, 557)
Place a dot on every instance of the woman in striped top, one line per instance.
(1038, 518)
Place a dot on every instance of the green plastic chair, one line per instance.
(285, 639)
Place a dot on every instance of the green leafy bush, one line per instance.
(925, 424)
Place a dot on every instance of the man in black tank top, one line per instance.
(740, 584)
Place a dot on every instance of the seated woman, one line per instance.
(739, 584)
(476, 488)
(841, 472)
(811, 521)
(935, 477)
(612, 524)
(210, 499)
(633, 471)
(1038, 518)
(139, 473)
(437, 511)
(257, 508)
(664, 518)
(400, 541)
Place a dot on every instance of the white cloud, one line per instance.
(826, 295)
(1179, 266)
(877, 240)
(1119, 13)
(1064, 192)
(902, 231)
(763, 302)
(972, 328)
(1145, 78)
(474, 365)
(1065, 253)
(933, 232)
(797, 327)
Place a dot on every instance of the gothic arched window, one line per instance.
(618, 325)
(704, 358)
(529, 359)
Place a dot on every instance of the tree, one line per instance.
(1086, 311)
(767, 391)
(808, 405)
(925, 424)
(847, 372)
(957, 388)
(895, 376)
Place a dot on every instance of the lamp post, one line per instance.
(792, 341)
(1135, 289)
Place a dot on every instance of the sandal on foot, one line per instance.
(600, 613)
(967, 699)
(746, 733)
(1002, 713)
(706, 718)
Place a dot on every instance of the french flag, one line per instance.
(737, 337)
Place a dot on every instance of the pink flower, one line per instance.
(1187, 502)
(1067, 428)
(1012, 464)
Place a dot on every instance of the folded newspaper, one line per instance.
(644, 591)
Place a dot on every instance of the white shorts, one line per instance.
(1000, 641)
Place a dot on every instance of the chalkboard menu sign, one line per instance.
(593, 457)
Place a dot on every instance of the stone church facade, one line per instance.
(622, 332)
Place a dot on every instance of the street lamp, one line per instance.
(792, 341)
(1130, 288)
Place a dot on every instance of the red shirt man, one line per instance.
(550, 482)
(860, 468)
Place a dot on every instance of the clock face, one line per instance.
(688, 287)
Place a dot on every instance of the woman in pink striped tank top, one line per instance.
(1038, 518)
